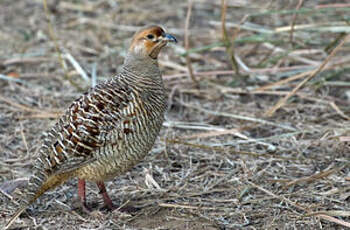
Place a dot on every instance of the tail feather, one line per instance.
(15, 216)
(25, 203)
(34, 191)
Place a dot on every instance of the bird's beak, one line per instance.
(169, 38)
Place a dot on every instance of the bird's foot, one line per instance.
(107, 201)
(128, 209)
(109, 207)
(84, 208)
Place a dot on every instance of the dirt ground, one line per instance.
(225, 159)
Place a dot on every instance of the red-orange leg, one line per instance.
(82, 195)
(108, 202)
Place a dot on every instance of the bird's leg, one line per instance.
(108, 202)
(82, 195)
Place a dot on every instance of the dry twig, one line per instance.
(300, 3)
(187, 42)
(228, 44)
(54, 39)
(282, 101)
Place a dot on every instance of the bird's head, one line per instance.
(149, 41)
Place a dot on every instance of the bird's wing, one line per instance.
(82, 130)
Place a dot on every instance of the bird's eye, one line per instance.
(150, 36)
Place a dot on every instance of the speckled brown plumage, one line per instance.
(107, 130)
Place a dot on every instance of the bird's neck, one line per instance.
(144, 67)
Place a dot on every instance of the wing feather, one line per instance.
(75, 139)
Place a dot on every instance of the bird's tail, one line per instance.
(36, 187)
(25, 203)
(15, 216)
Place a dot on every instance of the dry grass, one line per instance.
(265, 146)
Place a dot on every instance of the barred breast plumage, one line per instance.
(107, 130)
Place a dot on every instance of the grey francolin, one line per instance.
(109, 129)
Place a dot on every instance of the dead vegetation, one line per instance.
(258, 127)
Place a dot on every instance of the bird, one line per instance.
(108, 129)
